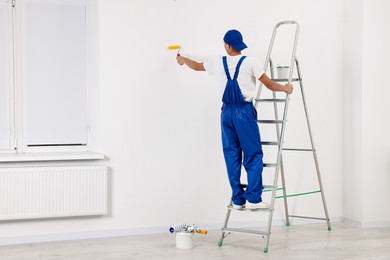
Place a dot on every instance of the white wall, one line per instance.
(366, 143)
(375, 108)
(352, 108)
(159, 122)
(169, 154)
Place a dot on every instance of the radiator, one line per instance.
(48, 192)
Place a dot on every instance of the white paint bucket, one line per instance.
(282, 72)
(184, 240)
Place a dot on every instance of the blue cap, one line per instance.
(234, 38)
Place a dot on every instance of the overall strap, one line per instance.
(238, 67)
(226, 68)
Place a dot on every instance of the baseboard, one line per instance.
(352, 222)
(80, 235)
(366, 224)
(139, 231)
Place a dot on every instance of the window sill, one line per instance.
(64, 156)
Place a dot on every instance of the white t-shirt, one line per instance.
(250, 71)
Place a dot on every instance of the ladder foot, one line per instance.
(329, 228)
(219, 243)
(265, 249)
(288, 224)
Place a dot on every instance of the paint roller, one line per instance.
(175, 47)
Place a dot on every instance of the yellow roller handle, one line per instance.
(202, 231)
(173, 47)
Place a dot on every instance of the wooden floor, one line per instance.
(295, 242)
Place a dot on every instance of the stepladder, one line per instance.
(278, 107)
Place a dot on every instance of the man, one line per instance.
(240, 132)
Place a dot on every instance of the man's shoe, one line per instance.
(238, 206)
(260, 205)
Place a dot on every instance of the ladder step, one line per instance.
(286, 80)
(244, 186)
(270, 143)
(298, 194)
(295, 216)
(298, 149)
(250, 210)
(245, 231)
(280, 100)
(271, 165)
(271, 121)
(268, 190)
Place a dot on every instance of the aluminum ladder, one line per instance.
(280, 125)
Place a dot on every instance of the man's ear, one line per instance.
(229, 48)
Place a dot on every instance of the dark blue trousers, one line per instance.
(241, 140)
(241, 144)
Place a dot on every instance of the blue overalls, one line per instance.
(241, 136)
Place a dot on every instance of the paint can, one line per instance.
(282, 71)
(184, 240)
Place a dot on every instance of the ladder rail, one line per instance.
(274, 32)
(282, 132)
(313, 146)
(276, 175)
(276, 113)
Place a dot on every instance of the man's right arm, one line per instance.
(197, 66)
(274, 86)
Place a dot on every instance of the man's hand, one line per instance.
(274, 86)
(180, 60)
(197, 66)
(288, 88)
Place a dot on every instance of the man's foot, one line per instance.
(238, 206)
(260, 205)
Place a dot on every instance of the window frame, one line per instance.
(11, 82)
(18, 145)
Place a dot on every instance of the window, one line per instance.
(5, 77)
(43, 88)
